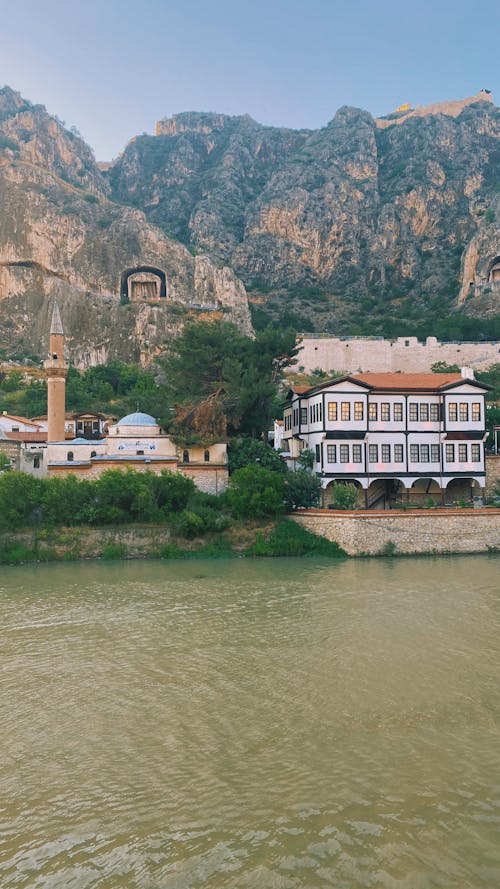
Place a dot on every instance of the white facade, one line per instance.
(407, 432)
(10, 423)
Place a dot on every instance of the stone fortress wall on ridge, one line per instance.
(377, 355)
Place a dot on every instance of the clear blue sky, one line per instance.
(112, 68)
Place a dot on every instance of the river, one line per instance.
(272, 724)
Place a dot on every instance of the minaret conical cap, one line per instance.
(56, 324)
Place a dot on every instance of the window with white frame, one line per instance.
(356, 453)
(413, 412)
(344, 453)
(372, 411)
(450, 453)
(345, 410)
(435, 453)
(385, 412)
(318, 453)
(475, 453)
(476, 412)
(462, 453)
(414, 453)
(424, 412)
(385, 453)
(331, 453)
(397, 412)
(332, 411)
(452, 412)
(463, 414)
(424, 453)
(373, 453)
(303, 415)
(398, 453)
(359, 412)
(434, 413)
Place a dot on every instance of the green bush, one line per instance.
(220, 548)
(189, 525)
(289, 539)
(302, 491)
(246, 451)
(4, 462)
(114, 551)
(344, 496)
(116, 497)
(16, 553)
(171, 551)
(255, 493)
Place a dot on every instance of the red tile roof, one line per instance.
(19, 419)
(428, 382)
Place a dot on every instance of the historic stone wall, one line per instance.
(405, 354)
(492, 473)
(425, 531)
(211, 480)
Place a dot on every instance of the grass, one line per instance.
(287, 538)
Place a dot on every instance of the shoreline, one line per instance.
(334, 534)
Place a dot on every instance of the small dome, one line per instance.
(137, 419)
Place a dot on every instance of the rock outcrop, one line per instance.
(62, 235)
(333, 222)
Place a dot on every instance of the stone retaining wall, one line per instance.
(423, 531)
(492, 473)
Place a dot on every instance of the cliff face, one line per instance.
(61, 234)
(362, 218)
(360, 212)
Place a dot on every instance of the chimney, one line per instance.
(467, 373)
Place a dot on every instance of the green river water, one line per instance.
(268, 724)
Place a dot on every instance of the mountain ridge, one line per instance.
(334, 229)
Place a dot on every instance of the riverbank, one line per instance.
(281, 537)
(306, 532)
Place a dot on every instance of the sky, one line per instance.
(113, 68)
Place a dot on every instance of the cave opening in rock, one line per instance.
(143, 283)
(494, 271)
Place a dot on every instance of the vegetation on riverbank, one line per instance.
(128, 514)
(280, 537)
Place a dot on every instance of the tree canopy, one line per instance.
(221, 382)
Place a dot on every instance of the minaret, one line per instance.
(56, 369)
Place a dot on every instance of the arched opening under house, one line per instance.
(328, 493)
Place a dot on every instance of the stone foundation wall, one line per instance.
(211, 481)
(492, 473)
(405, 354)
(425, 531)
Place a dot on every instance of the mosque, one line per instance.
(136, 441)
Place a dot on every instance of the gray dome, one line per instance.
(137, 419)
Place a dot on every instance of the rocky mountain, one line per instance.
(124, 287)
(363, 217)
(337, 229)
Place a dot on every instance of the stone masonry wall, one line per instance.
(405, 354)
(439, 531)
(492, 473)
